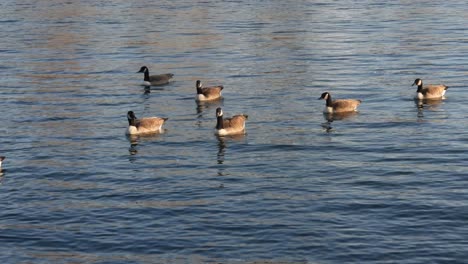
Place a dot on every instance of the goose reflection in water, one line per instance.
(205, 106)
(221, 155)
(1, 176)
(222, 145)
(1, 170)
(221, 150)
(427, 105)
(431, 104)
(136, 139)
(330, 117)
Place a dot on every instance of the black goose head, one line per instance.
(417, 82)
(219, 112)
(219, 118)
(324, 96)
(131, 118)
(199, 87)
(143, 69)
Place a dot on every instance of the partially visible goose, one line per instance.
(208, 93)
(159, 79)
(229, 126)
(144, 125)
(429, 91)
(339, 105)
(1, 160)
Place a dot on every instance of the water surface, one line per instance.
(386, 185)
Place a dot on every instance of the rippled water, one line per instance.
(386, 185)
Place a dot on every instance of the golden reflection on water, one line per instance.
(70, 185)
(96, 204)
(80, 257)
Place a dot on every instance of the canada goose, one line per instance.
(229, 126)
(144, 125)
(1, 160)
(208, 93)
(429, 91)
(159, 79)
(340, 105)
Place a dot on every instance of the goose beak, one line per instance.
(413, 84)
(319, 98)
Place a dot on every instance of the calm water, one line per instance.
(387, 185)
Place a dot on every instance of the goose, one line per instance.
(429, 91)
(340, 105)
(159, 79)
(144, 125)
(207, 93)
(229, 126)
(1, 160)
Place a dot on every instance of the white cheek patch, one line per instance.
(419, 83)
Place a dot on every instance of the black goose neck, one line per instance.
(420, 87)
(131, 121)
(219, 122)
(329, 101)
(199, 90)
(146, 75)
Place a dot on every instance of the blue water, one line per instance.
(386, 185)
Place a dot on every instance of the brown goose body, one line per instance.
(430, 91)
(144, 125)
(208, 93)
(229, 126)
(339, 105)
